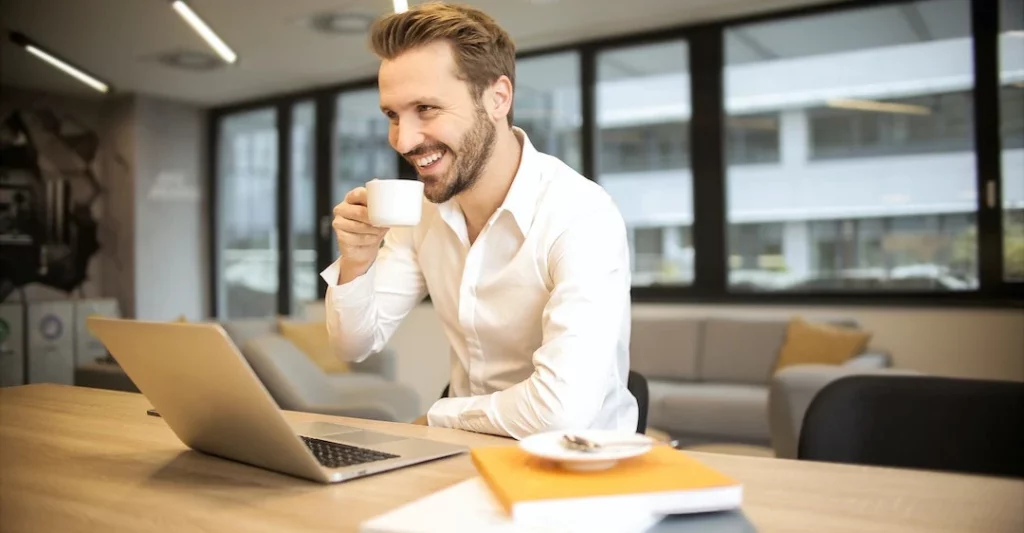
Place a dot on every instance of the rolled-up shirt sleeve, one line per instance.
(576, 362)
(363, 313)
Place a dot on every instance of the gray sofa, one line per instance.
(710, 378)
(368, 390)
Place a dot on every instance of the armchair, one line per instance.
(297, 384)
(792, 389)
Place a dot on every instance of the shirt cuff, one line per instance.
(473, 413)
(355, 291)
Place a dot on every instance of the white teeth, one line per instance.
(424, 161)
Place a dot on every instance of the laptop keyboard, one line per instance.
(334, 455)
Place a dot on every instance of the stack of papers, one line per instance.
(661, 482)
(470, 507)
(518, 493)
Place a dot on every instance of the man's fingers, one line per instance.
(357, 213)
(346, 225)
(356, 196)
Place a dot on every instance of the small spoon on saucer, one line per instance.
(583, 444)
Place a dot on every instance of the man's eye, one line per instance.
(425, 108)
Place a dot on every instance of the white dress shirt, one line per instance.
(537, 309)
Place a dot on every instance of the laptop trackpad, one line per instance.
(364, 438)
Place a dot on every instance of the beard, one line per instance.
(468, 163)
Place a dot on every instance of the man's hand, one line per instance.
(421, 421)
(358, 241)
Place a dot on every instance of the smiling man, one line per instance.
(526, 262)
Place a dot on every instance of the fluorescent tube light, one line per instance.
(61, 64)
(882, 107)
(401, 6)
(204, 31)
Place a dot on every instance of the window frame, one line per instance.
(709, 232)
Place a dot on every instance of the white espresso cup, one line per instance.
(394, 202)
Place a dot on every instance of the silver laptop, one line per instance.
(205, 390)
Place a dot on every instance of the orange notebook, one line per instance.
(662, 481)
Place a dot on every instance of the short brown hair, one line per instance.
(483, 50)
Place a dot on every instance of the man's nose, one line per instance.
(407, 137)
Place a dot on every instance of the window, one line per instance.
(643, 117)
(303, 208)
(840, 165)
(361, 148)
(247, 214)
(648, 248)
(752, 138)
(547, 105)
(872, 184)
(1011, 106)
(922, 124)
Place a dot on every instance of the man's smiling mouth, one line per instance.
(430, 159)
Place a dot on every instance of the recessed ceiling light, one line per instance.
(339, 23)
(189, 60)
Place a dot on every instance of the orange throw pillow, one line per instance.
(312, 339)
(808, 343)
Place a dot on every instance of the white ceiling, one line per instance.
(117, 40)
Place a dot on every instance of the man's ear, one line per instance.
(499, 98)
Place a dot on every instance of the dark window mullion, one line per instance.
(213, 120)
(987, 146)
(324, 157)
(588, 110)
(707, 149)
(284, 208)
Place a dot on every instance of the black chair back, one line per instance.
(932, 423)
(637, 386)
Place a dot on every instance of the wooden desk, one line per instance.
(75, 459)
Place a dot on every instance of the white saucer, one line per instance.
(549, 446)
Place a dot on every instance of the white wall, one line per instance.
(171, 228)
(970, 343)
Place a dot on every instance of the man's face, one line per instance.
(437, 124)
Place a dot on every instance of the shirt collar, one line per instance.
(521, 199)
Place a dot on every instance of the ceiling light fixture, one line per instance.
(51, 58)
(189, 60)
(883, 107)
(401, 6)
(338, 23)
(204, 31)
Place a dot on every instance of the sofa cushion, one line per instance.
(740, 351)
(312, 338)
(355, 381)
(808, 343)
(665, 348)
(722, 411)
(292, 379)
(244, 329)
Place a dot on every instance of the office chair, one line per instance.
(637, 385)
(957, 425)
